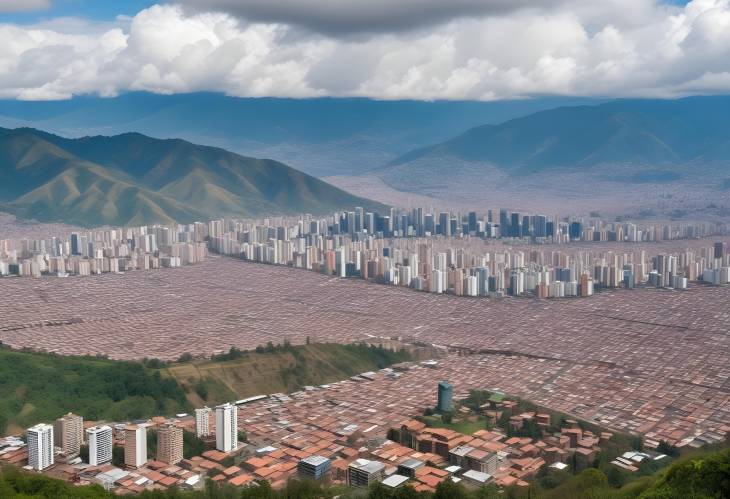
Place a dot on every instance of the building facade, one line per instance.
(202, 422)
(40, 446)
(170, 444)
(68, 432)
(100, 444)
(226, 427)
(135, 446)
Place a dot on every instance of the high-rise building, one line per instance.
(226, 427)
(135, 446)
(40, 446)
(445, 397)
(75, 244)
(202, 422)
(170, 444)
(100, 443)
(68, 433)
(719, 249)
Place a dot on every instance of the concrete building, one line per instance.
(135, 446)
(409, 466)
(314, 467)
(362, 472)
(226, 427)
(68, 433)
(40, 446)
(202, 422)
(469, 458)
(170, 444)
(100, 443)
(445, 397)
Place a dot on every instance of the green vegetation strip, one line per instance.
(40, 387)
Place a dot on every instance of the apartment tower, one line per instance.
(170, 444)
(202, 422)
(100, 443)
(40, 446)
(135, 446)
(226, 427)
(68, 432)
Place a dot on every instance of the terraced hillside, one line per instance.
(276, 369)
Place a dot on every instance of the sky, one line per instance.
(382, 49)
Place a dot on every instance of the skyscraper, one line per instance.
(135, 446)
(40, 446)
(68, 433)
(226, 427)
(100, 444)
(75, 244)
(504, 227)
(170, 444)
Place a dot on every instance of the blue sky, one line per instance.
(100, 10)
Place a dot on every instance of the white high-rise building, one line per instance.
(100, 443)
(226, 427)
(202, 422)
(40, 446)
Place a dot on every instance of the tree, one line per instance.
(665, 448)
(616, 477)
(450, 490)
(379, 491)
(637, 443)
(406, 492)
(118, 455)
(201, 389)
(490, 491)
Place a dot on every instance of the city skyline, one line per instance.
(364, 249)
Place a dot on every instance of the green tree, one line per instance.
(406, 492)
(450, 490)
(666, 448)
(378, 491)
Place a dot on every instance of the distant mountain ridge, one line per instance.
(322, 136)
(133, 179)
(641, 132)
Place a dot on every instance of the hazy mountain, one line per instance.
(133, 179)
(322, 137)
(648, 134)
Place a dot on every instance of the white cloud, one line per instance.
(23, 5)
(639, 48)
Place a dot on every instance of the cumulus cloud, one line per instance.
(23, 5)
(575, 48)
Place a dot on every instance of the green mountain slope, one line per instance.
(640, 132)
(134, 179)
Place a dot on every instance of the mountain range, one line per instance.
(322, 137)
(132, 179)
(644, 133)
